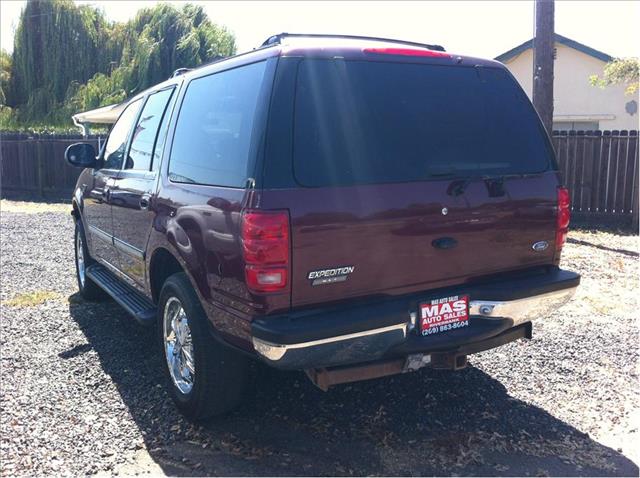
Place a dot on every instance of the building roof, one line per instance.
(506, 56)
(105, 115)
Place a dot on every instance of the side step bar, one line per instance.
(140, 307)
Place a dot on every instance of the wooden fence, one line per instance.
(35, 165)
(599, 167)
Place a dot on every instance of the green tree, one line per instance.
(5, 76)
(154, 44)
(55, 44)
(68, 58)
(620, 71)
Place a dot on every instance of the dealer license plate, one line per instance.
(442, 315)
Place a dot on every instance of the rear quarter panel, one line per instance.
(200, 225)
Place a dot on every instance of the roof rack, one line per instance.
(277, 39)
(180, 71)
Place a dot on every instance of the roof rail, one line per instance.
(276, 39)
(180, 71)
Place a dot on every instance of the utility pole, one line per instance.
(543, 53)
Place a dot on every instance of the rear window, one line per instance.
(359, 122)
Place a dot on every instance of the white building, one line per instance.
(576, 104)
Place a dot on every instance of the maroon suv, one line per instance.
(350, 207)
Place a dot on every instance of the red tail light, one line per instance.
(407, 52)
(265, 246)
(564, 215)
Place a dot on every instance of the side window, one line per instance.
(162, 134)
(213, 133)
(146, 131)
(116, 145)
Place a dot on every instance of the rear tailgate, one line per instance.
(389, 236)
(413, 176)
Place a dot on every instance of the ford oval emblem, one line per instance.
(540, 246)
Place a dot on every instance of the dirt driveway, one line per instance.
(81, 387)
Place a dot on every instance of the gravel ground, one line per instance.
(81, 387)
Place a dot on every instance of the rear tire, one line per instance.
(89, 290)
(204, 377)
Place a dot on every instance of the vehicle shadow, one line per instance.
(604, 248)
(425, 423)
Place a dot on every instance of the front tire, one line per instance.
(89, 290)
(204, 377)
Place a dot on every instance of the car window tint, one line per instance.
(146, 131)
(161, 139)
(116, 145)
(359, 122)
(213, 132)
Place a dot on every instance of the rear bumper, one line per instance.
(372, 330)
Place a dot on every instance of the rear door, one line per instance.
(413, 176)
(133, 189)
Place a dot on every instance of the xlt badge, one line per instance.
(329, 276)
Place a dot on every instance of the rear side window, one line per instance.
(360, 122)
(146, 131)
(213, 133)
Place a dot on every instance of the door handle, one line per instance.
(106, 194)
(444, 243)
(145, 201)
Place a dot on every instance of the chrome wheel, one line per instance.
(80, 258)
(178, 345)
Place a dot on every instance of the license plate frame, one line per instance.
(443, 314)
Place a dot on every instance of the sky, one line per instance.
(484, 29)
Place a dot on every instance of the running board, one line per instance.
(129, 298)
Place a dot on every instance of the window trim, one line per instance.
(145, 99)
(179, 105)
(572, 123)
(173, 99)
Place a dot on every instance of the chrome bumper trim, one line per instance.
(522, 310)
(277, 351)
